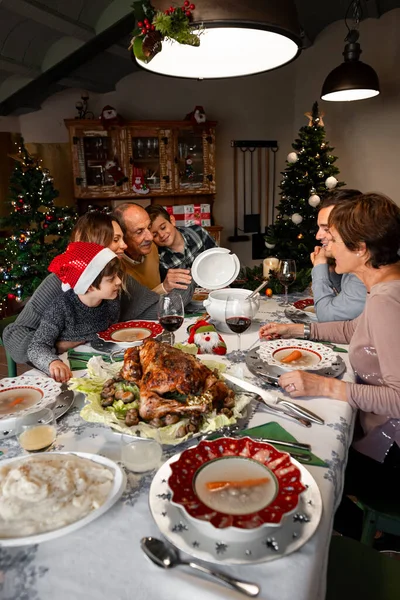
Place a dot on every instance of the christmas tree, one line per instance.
(39, 230)
(310, 174)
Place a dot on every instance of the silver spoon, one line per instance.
(167, 557)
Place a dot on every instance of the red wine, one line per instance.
(238, 324)
(171, 323)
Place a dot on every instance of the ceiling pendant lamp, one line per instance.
(236, 38)
(353, 79)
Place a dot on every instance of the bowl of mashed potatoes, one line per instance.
(49, 495)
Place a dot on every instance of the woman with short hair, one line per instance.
(365, 241)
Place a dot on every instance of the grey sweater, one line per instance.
(138, 302)
(68, 319)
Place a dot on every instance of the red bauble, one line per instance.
(140, 24)
(186, 3)
(11, 296)
(188, 13)
(192, 7)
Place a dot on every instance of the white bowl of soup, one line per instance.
(235, 489)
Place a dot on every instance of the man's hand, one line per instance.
(62, 347)
(318, 257)
(179, 279)
(59, 371)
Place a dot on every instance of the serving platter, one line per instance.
(313, 355)
(130, 333)
(115, 493)
(259, 367)
(294, 532)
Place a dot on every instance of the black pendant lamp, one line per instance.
(237, 38)
(353, 79)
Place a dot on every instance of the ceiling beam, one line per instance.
(37, 90)
(44, 15)
(18, 68)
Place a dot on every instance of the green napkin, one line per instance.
(274, 431)
(78, 360)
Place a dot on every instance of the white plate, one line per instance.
(114, 495)
(317, 355)
(294, 532)
(44, 389)
(215, 268)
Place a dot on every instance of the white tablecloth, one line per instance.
(103, 560)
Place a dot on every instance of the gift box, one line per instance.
(191, 214)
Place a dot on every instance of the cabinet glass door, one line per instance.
(145, 160)
(98, 162)
(190, 160)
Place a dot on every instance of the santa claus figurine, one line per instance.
(115, 172)
(109, 118)
(197, 116)
(206, 338)
(138, 183)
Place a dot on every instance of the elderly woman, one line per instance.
(137, 301)
(365, 241)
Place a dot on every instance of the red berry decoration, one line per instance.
(140, 24)
(171, 9)
(186, 3)
(146, 21)
(192, 7)
(188, 13)
(144, 30)
(152, 28)
(148, 25)
(166, 12)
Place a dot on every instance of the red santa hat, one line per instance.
(80, 264)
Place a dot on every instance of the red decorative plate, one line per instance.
(130, 332)
(282, 489)
(305, 304)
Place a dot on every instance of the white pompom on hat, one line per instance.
(80, 264)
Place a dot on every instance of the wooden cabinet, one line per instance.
(172, 162)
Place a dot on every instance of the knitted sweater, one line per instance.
(147, 271)
(68, 319)
(138, 302)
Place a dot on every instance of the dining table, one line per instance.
(104, 559)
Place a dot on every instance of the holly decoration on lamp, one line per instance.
(153, 26)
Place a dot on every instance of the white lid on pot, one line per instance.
(215, 268)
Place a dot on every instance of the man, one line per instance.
(141, 256)
(336, 297)
(177, 246)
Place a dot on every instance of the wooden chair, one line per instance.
(356, 571)
(11, 365)
(378, 517)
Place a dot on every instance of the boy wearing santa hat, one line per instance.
(91, 279)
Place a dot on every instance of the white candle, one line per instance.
(270, 264)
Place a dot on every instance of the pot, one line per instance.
(215, 304)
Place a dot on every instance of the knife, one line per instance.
(263, 395)
(291, 406)
(303, 412)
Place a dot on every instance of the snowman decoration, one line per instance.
(206, 338)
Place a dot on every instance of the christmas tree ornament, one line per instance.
(269, 245)
(292, 157)
(331, 183)
(138, 183)
(110, 119)
(296, 218)
(206, 338)
(115, 173)
(314, 200)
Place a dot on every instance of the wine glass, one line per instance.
(287, 275)
(170, 314)
(238, 315)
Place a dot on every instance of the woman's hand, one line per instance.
(60, 371)
(272, 331)
(300, 383)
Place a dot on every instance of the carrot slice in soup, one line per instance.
(214, 486)
(16, 401)
(295, 355)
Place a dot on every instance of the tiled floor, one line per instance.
(3, 365)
